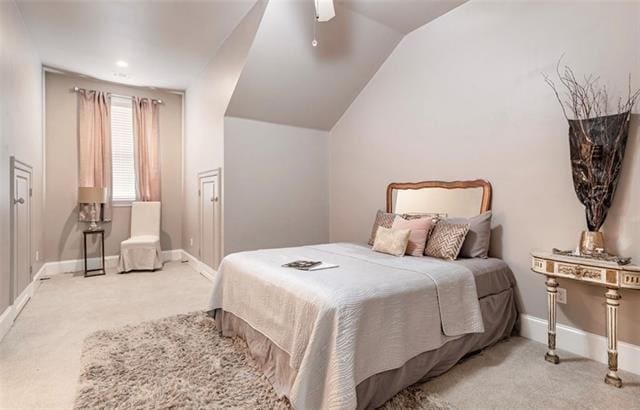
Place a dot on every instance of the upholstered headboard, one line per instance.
(459, 198)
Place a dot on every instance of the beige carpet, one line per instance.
(40, 356)
(514, 375)
(182, 362)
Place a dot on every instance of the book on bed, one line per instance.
(309, 265)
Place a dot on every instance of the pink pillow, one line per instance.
(420, 229)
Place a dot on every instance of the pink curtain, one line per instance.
(94, 134)
(147, 148)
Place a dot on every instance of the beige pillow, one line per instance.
(446, 240)
(384, 219)
(391, 241)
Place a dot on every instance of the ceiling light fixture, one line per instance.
(122, 63)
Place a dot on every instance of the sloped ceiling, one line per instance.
(402, 15)
(166, 43)
(287, 81)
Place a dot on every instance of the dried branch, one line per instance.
(587, 98)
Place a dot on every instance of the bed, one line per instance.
(354, 336)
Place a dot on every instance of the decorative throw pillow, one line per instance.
(418, 215)
(420, 229)
(391, 241)
(476, 243)
(384, 219)
(435, 217)
(446, 240)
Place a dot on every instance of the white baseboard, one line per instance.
(581, 343)
(77, 265)
(6, 320)
(11, 312)
(172, 255)
(199, 266)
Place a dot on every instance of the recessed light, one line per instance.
(121, 63)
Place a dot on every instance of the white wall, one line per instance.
(206, 101)
(20, 130)
(276, 185)
(463, 98)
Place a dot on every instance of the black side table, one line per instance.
(101, 269)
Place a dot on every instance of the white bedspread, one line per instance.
(340, 326)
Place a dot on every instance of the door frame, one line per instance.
(216, 173)
(15, 164)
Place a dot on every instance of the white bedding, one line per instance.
(340, 326)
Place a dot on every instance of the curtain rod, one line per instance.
(76, 89)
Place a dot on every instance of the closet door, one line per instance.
(209, 183)
(21, 273)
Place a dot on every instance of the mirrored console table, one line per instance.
(609, 275)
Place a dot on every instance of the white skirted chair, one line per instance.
(142, 251)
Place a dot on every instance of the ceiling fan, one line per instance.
(324, 13)
(324, 10)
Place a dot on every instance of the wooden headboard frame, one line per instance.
(477, 183)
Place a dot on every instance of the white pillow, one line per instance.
(391, 241)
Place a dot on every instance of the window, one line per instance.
(123, 169)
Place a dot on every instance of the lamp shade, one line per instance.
(92, 195)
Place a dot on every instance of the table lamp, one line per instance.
(93, 196)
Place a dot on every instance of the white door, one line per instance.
(20, 227)
(209, 191)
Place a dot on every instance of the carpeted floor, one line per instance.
(182, 362)
(40, 356)
(514, 375)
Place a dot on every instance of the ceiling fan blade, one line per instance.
(324, 10)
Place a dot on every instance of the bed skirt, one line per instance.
(499, 314)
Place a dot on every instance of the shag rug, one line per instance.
(182, 362)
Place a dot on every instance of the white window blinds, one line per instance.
(123, 169)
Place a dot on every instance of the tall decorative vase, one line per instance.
(597, 148)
